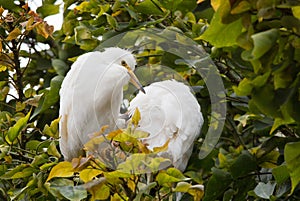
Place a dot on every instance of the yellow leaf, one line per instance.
(62, 169)
(1, 46)
(296, 11)
(88, 174)
(29, 23)
(200, 1)
(143, 147)
(52, 130)
(114, 134)
(44, 29)
(100, 192)
(116, 197)
(197, 191)
(216, 4)
(131, 184)
(115, 175)
(101, 132)
(116, 13)
(14, 34)
(222, 159)
(92, 144)
(162, 148)
(2, 68)
(164, 179)
(1, 10)
(140, 134)
(136, 117)
(81, 163)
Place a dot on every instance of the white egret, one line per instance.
(92, 93)
(169, 112)
(90, 96)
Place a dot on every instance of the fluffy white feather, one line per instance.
(169, 111)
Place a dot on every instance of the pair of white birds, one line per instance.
(92, 93)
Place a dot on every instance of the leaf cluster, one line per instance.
(119, 166)
(255, 46)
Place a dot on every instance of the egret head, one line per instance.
(126, 61)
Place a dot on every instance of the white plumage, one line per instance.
(169, 111)
(91, 95)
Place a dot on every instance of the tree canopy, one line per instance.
(253, 47)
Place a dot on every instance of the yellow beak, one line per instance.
(135, 81)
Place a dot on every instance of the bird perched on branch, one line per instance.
(169, 112)
(91, 96)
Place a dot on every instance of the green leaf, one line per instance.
(268, 159)
(263, 98)
(60, 66)
(11, 173)
(292, 159)
(263, 190)
(135, 163)
(281, 121)
(182, 187)
(39, 160)
(26, 172)
(82, 32)
(228, 195)
(244, 88)
(149, 7)
(144, 189)
(112, 21)
(241, 7)
(171, 4)
(48, 9)
(244, 164)
(164, 179)
(3, 92)
(158, 163)
(17, 193)
(3, 169)
(52, 130)
(16, 129)
(231, 32)
(73, 193)
(51, 97)
(55, 187)
(261, 80)
(281, 174)
(217, 184)
(176, 173)
(10, 5)
(263, 42)
(52, 150)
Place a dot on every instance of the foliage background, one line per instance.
(255, 45)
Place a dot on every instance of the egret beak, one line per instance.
(134, 80)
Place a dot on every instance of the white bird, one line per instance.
(169, 112)
(91, 97)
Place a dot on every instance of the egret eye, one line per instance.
(123, 63)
